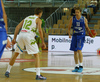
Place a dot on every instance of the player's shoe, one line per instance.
(40, 77)
(80, 69)
(7, 74)
(76, 69)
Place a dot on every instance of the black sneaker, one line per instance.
(7, 74)
(40, 77)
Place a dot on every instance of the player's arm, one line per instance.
(39, 22)
(4, 15)
(69, 27)
(16, 31)
(18, 27)
(6, 26)
(86, 25)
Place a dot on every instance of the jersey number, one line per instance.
(27, 24)
(78, 23)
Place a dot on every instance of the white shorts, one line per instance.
(28, 41)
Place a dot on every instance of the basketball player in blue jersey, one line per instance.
(4, 42)
(78, 23)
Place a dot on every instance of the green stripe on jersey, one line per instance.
(31, 17)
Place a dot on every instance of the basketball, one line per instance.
(92, 33)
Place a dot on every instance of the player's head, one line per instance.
(77, 11)
(38, 11)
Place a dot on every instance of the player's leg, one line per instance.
(32, 48)
(11, 63)
(80, 57)
(74, 48)
(80, 45)
(76, 57)
(81, 61)
(19, 49)
(76, 62)
(37, 65)
(12, 60)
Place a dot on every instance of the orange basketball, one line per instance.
(92, 33)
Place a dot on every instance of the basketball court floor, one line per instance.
(56, 66)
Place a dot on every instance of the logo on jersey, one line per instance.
(79, 28)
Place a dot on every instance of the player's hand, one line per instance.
(8, 44)
(13, 41)
(70, 36)
(43, 45)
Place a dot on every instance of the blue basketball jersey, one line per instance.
(2, 24)
(78, 26)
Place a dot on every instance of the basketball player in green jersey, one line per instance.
(27, 38)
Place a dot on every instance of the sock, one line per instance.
(77, 65)
(38, 71)
(9, 68)
(81, 64)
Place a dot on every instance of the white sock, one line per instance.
(81, 64)
(38, 71)
(9, 68)
(77, 65)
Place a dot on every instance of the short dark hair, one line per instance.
(38, 10)
(78, 8)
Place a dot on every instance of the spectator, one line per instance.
(93, 4)
(73, 11)
(98, 4)
(86, 12)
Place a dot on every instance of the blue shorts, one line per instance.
(77, 42)
(3, 42)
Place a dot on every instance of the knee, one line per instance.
(75, 52)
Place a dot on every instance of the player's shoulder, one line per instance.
(38, 19)
(30, 17)
(84, 17)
